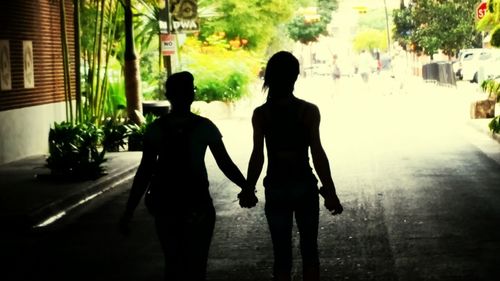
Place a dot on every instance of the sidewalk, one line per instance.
(27, 200)
(482, 126)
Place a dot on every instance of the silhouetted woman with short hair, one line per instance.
(289, 127)
(173, 167)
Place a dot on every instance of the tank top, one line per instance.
(287, 141)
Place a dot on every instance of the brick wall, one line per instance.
(38, 22)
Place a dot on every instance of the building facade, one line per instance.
(32, 95)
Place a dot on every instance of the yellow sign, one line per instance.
(361, 9)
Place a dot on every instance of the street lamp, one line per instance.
(387, 29)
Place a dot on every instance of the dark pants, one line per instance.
(282, 202)
(185, 239)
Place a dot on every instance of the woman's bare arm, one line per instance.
(140, 184)
(226, 164)
(141, 181)
(256, 161)
(321, 163)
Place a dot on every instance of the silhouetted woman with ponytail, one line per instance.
(289, 127)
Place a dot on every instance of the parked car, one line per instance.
(491, 70)
(465, 58)
(473, 61)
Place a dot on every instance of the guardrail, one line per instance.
(440, 72)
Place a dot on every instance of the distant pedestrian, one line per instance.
(335, 68)
(289, 127)
(365, 65)
(173, 173)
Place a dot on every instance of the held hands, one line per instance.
(332, 202)
(247, 198)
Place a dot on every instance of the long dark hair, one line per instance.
(281, 73)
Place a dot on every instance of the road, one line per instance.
(420, 190)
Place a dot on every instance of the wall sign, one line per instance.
(5, 73)
(29, 73)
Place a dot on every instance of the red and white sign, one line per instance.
(167, 44)
(481, 10)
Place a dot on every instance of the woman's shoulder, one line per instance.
(309, 111)
(259, 110)
(204, 121)
(306, 105)
(206, 125)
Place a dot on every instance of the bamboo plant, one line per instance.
(97, 50)
(75, 145)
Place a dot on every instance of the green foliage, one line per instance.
(494, 125)
(495, 37)
(437, 25)
(146, 24)
(458, 16)
(153, 88)
(148, 45)
(115, 132)
(221, 74)
(100, 37)
(370, 39)
(304, 30)
(426, 39)
(115, 100)
(136, 132)
(254, 21)
(325, 9)
(103, 47)
(492, 87)
(74, 152)
(491, 22)
(403, 26)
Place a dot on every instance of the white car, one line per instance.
(465, 58)
(491, 70)
(473, 63)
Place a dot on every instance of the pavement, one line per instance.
(28, 199)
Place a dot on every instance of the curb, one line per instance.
(482, 127)
(49, 213)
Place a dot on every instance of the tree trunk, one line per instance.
(78, 87)
(131, 70)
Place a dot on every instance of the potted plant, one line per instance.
(492, 87)
(494, 125)
(75, 151)
(136, 135)
(115, 132)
